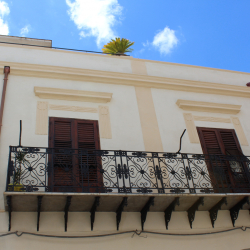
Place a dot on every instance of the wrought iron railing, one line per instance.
(74, 170)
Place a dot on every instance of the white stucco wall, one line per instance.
(187, 72)
(79, 224)
(80, 60)
(21, 104)
(171, 121)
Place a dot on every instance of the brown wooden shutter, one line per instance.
(230, 142)
(224, 142)
(61, 137)
(62, 134)
(88, 139)
(75, 136)
(219, 141)
(209, 141)
(87, 135)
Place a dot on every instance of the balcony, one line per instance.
(53, 179)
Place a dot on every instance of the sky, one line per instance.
(209, 33)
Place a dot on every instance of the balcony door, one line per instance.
(230, 169)
(73, 157)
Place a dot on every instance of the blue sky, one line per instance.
(210, 33)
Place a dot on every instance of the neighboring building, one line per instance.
(101, 137)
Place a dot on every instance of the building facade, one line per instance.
(99, 152)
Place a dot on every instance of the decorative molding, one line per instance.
(149, 125)
(42, 118)
(212, 119)
(67, 73)
(208, 107)
(72, 108)
(121, 58)
(191, 129)
(239, 131)
(72, 95)
(104, 122)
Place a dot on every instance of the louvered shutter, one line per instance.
(230, 142)
(212, 145)
(61, 140)
(209, 141)
(88, 141)
(224, 142)
(71, 139)
(238, 167)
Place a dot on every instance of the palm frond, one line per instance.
(118, 46)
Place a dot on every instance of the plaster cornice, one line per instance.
(87, 75)
(208, 107)
(122, 58)
(72, 95)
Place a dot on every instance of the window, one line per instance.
(73, 159)
(231, 168)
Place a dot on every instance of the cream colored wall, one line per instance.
(197, 73)
(63, 58)
(127, 134)
(171, 121)
(79, 224)
(21, 104)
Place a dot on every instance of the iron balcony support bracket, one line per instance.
(9, 210)
(66, 211)
(120, 210)
(93, 210)
(191, 211)
(39, 204)
(213, 212)
(234, 211)
(145, 210)
(170, 209)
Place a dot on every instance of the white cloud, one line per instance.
(4, 8)
(25, 30)
(95, 18)
(4, 11)
(165, 40)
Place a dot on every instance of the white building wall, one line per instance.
(21, 104)
(79, 225)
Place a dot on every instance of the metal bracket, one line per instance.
(39, 204)
(191, 211)
(93, 210)
(9, 210)
(145, 210)
(234, 211)
(120, 210)
(214, 210)
(66, 211)
(170, 209)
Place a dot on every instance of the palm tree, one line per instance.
(118, 46)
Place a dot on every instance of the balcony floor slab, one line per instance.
(82, 202)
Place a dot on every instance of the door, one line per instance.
(229, 169)
(73, 157)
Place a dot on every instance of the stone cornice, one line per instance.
(77, 74)
(72, 95)
(208, 107)
(123, 58)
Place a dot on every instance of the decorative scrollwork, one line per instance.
(82, 170)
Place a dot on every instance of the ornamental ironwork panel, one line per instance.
(32, 169)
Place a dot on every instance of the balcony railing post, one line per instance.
(10, 169)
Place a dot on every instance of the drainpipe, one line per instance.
(6, 72)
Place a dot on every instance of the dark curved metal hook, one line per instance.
(181, 141)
